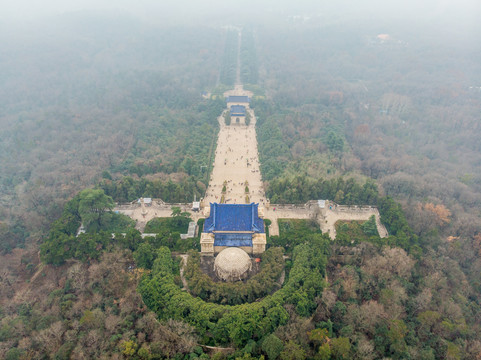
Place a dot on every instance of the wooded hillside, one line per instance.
(106, 102)
(90, 97)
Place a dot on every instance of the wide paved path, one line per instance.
(236, 164)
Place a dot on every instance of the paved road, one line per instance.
(237, 164)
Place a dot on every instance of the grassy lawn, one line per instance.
(179, 224)
(293, 232)
(354, 232)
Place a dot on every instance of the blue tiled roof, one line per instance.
(234, 217)
(233, 239)
(238, 110)
(238, 99)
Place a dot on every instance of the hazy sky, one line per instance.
(463, 12)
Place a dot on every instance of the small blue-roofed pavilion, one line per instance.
(238, 99)
(237, 110)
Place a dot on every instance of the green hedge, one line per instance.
(224, 324)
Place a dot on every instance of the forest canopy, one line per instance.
(99, 108)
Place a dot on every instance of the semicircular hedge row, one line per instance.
(225, 324)
(236, 293)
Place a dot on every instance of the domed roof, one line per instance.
(232, 264)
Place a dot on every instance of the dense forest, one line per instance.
(228, 70)
(97, 109)
(375, 110)
(99, 97)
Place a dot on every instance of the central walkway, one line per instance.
(236, 163)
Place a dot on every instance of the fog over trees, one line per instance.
(375, 102)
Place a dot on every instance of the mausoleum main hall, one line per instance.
(233, 225)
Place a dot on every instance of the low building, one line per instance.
(322, 204)
(238, 114)
(196, 206)
(237, 110)
(237, 100)
(233, 225)
(145, 201)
